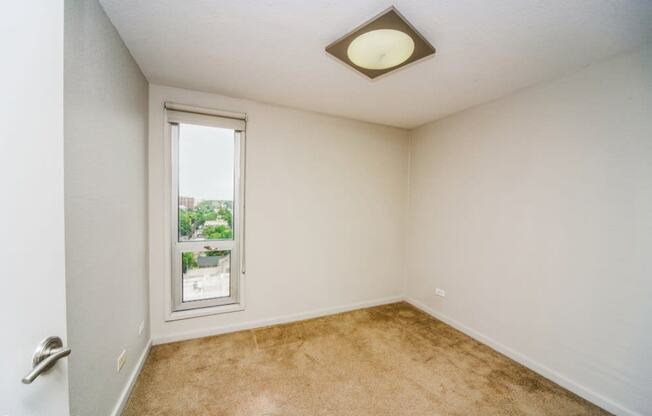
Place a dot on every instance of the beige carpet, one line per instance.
(388, 360)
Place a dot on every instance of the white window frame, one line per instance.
(177, 309)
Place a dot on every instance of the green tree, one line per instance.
(185, 223)
(226, 215)
(191, 219)
(219, 253)
(219, 232)
(188, 260)
(204, 212)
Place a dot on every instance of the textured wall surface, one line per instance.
(105, 154)
(534, 213)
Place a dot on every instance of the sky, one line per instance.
(206, 162)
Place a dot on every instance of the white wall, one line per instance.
(325, 202)
(105, 156)
(534, 213)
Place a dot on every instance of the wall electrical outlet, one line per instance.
(122, 359)
(141, 328)
(440, 292)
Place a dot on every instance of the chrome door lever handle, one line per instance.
(49, 351)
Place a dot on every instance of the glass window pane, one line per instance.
(206, 183)
(206, 275)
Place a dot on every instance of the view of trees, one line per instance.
(188, 260)
(192, 225)
(191, 221)
(220, 232)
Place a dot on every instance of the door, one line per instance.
(33, 305)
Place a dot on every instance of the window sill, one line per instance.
(212, 310)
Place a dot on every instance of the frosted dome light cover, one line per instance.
(383, 44)
(380, 49)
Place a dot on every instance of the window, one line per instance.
(206, 178)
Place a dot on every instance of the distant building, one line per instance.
(187, 202)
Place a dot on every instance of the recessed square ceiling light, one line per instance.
(383, 44)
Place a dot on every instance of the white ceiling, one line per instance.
(273, 50)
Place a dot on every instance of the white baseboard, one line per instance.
(131, 382)
(273, 321)
(546, 372)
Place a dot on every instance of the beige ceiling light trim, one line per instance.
(382, 45)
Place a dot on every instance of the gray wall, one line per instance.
(105, 154)
(534, 213)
